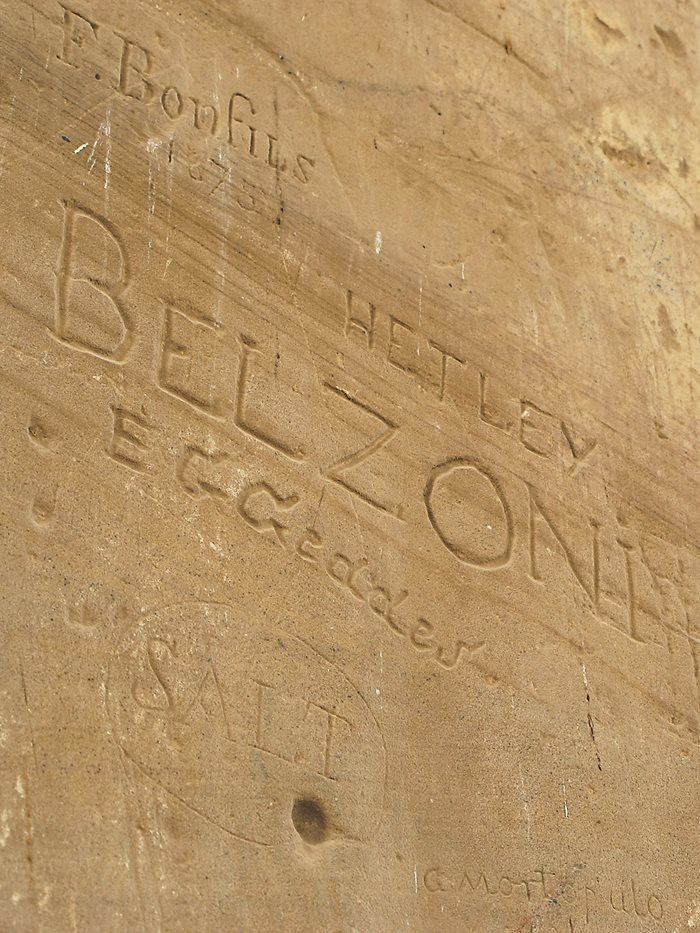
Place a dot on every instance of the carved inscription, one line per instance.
(134, 70)
(268, 512)
(604, 561)
(469, 505)
(234, 720)
(336, 471)
(580, 904)
(248, 348)
(127, 444)
(440, 477)
(438, 370)
(103, 327)
(220, 710)
(182, 332)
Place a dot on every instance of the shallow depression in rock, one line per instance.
(309, 819)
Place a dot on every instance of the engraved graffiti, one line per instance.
(250, 713)
(585, 902)
(463, 552)
(336, 471)
(407, 348)
(485, 517)
(266, 510)
(134, 69)
(99, 323)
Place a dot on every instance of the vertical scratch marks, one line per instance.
(104, 136)
(591, 727)
(73, 913)
(22, 788)
(92, 155)
(153, 168)
(29, 713)
(523, 795)
(9, 124)
(152, 149)
(107, 133)
(141, 869)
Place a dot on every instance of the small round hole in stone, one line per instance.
(310, 821)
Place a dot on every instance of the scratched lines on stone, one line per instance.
(173, 349)
(223, 691)
(586, 901)
(528, 410)
(354, 576)
(537, 431)
(129, 444)
(176, 348)
(132, 69)
(113, 291)
(205, 693)
(438, 369)
(130, 65)
(441, 368)
(195, 476)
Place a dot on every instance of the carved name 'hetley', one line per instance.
(612, 573)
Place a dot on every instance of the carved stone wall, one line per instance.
(350, 535)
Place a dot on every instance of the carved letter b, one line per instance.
(95, 320)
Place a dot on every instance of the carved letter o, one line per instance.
(165, 101)
(658, 911)
(462, 552)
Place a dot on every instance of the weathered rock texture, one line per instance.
(350, 565)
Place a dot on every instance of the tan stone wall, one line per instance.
(349, 463)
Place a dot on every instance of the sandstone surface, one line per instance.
(350, 360)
